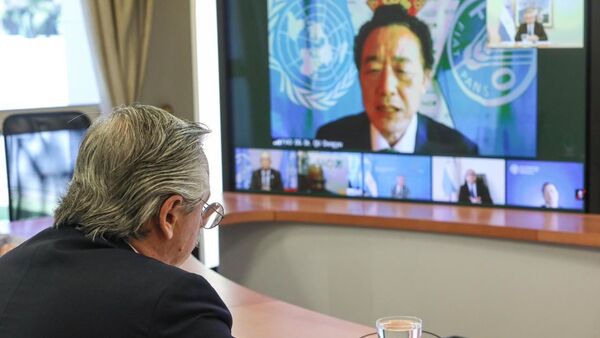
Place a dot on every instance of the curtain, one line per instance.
(120, 35)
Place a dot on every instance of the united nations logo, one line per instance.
(310, 47)
(492, 77)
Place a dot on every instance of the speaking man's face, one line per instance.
(392, 79)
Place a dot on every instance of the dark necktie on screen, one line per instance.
(471, 190)
(266, 180)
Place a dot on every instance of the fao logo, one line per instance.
(310, 48)
(491, 77)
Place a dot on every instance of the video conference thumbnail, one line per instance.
(469, 180)
(310, 172)
(535, 23)
(545, 184)
(266, 170)
(330, 173)
(397, 176)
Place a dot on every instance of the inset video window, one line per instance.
(535, 23)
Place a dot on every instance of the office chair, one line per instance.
(41, 150)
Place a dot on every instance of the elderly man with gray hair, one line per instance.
(530, 29)
(132, 213)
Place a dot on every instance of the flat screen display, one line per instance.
(445, 101)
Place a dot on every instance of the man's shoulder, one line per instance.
(104, 277)
(434, 137)
(352, 130)
(360, 120)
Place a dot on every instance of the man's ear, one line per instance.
(167, 218)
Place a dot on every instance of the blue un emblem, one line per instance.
(492, 77)
(310, 47)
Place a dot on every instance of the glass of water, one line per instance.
(399, 327)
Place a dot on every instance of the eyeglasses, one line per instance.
(212, 215)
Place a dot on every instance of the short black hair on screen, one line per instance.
(388, 15)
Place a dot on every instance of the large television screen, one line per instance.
(449, 101)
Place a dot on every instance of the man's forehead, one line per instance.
(395, 41)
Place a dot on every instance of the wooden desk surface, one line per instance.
(525, 225)
(258, 316)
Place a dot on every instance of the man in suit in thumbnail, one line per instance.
(315, 181)
(474, 190)
(266, 178)
(131, 215)
(551, 195)
(400, 190)
(394, 57)
(531, 30)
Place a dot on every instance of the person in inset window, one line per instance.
(551, 195)
(531, 30)
(400, 190)
(474, 190)
(266, 178)
(315, 181)
(394, 56)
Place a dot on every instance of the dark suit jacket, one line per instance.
(398, 192)
(538, 29)
(61, 284)
(256, 182)
(482, 191)
(432, 137)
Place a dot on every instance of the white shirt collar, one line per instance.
(131, 246)
(406, 143)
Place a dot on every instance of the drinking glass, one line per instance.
(399, 327)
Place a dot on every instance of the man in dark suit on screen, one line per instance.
(131, 215)
(394, 57)
(474, 190)
(531, 30)
(266, 178)
(400, 190)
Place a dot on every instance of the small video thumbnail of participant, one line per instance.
(266, 170)
(469, 180)
(548, 185)
(330, 173)
(535, 24)
(397, 176)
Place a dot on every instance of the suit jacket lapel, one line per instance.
(363, 136)
(422, 136)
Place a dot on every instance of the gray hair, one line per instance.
(129, 163)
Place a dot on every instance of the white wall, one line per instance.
(169, 71)
(477, 288)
